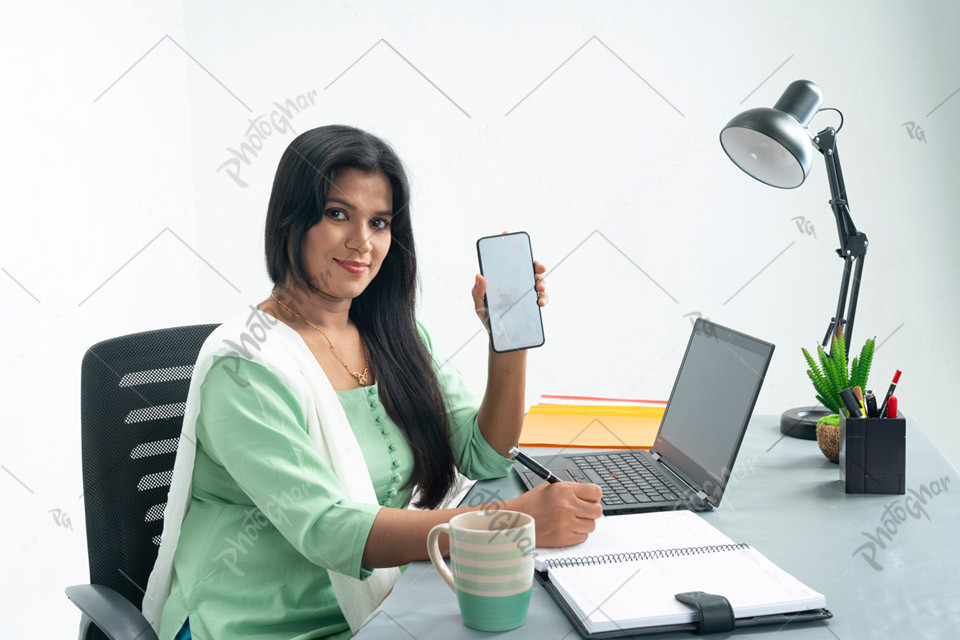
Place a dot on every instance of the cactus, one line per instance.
(838, 348)
(825, 394)
(831, 369)
(830, 377)
(863, 369)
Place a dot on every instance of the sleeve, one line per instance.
(253, 426)
(475, 458)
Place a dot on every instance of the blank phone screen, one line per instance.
(506, 262)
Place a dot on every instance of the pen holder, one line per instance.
(873, 454)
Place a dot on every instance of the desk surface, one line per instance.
(785, 499)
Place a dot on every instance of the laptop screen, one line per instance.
(710, 405)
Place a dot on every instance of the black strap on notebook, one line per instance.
(714, 612)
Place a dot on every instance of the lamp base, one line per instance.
(801, 422)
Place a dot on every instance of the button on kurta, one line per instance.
(396, 477)
(391, 447)
(396, 464)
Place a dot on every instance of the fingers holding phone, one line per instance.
(480, 288)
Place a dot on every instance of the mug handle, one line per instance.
(433, 549)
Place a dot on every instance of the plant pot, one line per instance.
(828, 437)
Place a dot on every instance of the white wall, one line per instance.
(592, 126)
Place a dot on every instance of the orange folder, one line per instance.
(607, 427)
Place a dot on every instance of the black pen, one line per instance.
(871, 401)
(850, 400)
(533, 465)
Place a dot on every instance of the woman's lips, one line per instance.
(355, 268)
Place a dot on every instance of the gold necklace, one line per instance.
(361, 377)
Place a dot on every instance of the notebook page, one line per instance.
(641, 593)
(639, 532)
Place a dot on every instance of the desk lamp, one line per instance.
(773, 146)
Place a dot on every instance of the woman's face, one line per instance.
(354, 231)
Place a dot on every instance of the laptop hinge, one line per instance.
(656, 456)
(700, 493)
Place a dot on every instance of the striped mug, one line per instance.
(491, 554)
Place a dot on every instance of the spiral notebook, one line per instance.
(622, 580)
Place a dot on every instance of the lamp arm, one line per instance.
(841, 303)
(853, 243)
(854, 295)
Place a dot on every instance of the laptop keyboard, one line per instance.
(625, 478)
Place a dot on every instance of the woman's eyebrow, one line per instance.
(349, 205)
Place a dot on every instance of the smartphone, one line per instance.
(506, 263)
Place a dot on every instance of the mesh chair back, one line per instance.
(133, 394)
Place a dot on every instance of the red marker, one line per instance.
(893, 385)
(892, 407)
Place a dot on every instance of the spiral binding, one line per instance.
(608, 558)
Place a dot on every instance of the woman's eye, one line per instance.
(384, 223)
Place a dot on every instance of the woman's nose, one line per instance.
(360, 239)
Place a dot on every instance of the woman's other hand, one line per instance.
(480, 288)
(565, 512)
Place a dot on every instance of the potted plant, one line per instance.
(829, 378)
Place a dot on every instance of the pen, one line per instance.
(857, 392)
(850, 401)
(893, 385)
(892, 407)
(533, 465)
(871, 402)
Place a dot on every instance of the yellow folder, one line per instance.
(608, 427)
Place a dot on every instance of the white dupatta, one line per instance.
(261, 338)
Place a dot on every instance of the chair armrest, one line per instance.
(110, 612)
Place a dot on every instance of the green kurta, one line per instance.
(267, 517)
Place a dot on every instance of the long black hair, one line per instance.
(385, 312)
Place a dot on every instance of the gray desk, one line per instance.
(784, 499)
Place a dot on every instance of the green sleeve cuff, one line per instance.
(366, 514)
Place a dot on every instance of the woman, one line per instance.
(303, 442)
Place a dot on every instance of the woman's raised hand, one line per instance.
(564, 512)
(480, 287)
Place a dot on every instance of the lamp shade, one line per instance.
(772, 145)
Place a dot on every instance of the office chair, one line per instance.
(133, 394)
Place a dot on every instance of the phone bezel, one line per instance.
(487, 306)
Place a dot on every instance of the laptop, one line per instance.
(699, 436)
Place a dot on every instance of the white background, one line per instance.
(593, 126)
